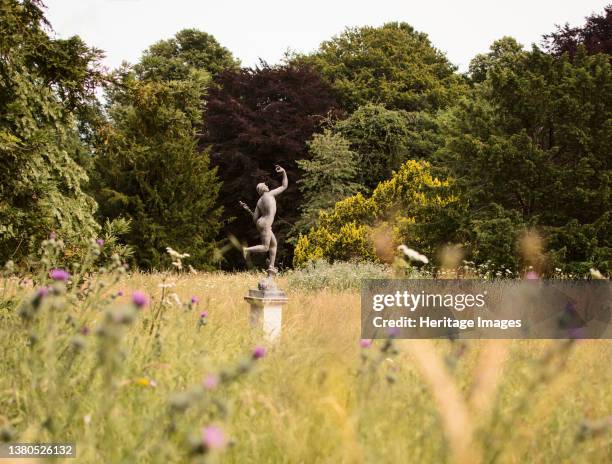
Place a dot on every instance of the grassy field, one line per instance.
(77, 368)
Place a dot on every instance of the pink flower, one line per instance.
(532, 275)
(59, 275)
(140, 299)
(393, 332)
(211, 381)
(365, 343)
(120, 293)
(52, 235)
(213, 437)
(203, 314)
(42, 292)
(194, 300)
(258, 352)
(100, 242)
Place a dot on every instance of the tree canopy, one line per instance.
(595, 36)
(173, 59)
(150, 171)
(531, 148)
(329, 176)
(42, 83)
(254, 119)
(393, 65)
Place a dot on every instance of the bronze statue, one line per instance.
(263, 217)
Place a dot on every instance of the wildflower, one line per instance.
(393, 332)
(365, 343)
(166, 284)
(175, 298)
(194, 300)
(84, 330)
(532, 275)
(42, 292)
(258, 352)
(59, 275)
(87, 419)
(203, 314)
(595, 274)
(100, 242)
(213, 437)
(176, 254)
(413, 254)
(120, 293)
(576, 333)
(140, 299)
(211, 381)
(145, 382)
(52, 236)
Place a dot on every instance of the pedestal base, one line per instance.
(266, 313)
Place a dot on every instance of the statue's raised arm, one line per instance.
(285, 184)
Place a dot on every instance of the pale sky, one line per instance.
(254, 29)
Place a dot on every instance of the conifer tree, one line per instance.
(150, 171)
(328, 177)
(42, 83)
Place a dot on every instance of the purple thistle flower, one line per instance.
(258, 352)
(52, 236)
(42, 292)
(365, 343)
(203, 314)
(194, 300)
(576, 333)
(100, 242)
(393, 332)
(140, 299)
(59, 275)
(84, 330)
(213, 437)
(120, 293)
(211, 381)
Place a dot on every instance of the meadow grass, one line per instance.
(317, 395)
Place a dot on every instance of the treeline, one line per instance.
(383, 140)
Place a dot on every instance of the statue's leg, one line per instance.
(272, 253)
(266, 236)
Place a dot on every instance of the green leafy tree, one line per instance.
(502, 51)
(42, 82)
(393, 65)
(173, 59)
(150, 171)
(326, 178)
(531, 148)
(384, 139)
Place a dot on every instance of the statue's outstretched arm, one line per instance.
(247, 209)
(285, 184)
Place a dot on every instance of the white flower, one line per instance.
(175, 298)
(412, 254)
(176, 254)
(166, 285)
(596, 274)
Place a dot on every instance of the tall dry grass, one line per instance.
(317, 396)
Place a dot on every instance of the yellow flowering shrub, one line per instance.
(413, 202)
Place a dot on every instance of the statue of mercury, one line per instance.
(263, 217)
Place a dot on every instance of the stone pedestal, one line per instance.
(267, 302)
